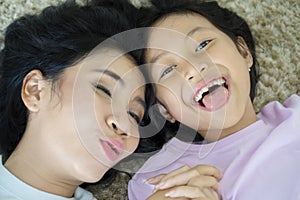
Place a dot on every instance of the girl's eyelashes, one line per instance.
(202, 45)
(103, 89)
(168, 70)
(135, 117)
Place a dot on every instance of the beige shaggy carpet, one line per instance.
(276, 27)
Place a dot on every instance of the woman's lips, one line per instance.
(112, 148)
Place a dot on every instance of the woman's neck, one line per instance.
(37, 173)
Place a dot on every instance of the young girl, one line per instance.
(203, 66)
(62, 119)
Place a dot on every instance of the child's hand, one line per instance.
(196, 182)
(208, 194)
(161, 195)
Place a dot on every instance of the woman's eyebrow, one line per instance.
(140, 101)
(111, 74)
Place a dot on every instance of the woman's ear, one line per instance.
(33, 84)
(165, 113)
(244, 50)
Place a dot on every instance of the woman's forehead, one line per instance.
(104, 59)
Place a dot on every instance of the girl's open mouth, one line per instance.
(213, 95)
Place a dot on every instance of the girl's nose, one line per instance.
(191, 72)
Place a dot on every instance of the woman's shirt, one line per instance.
(261, 161)
(12, 188)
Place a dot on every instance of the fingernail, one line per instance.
(149, 181)
(221, 176)
(152, 181)
(160, 185)
(170, 194)
(155, 189)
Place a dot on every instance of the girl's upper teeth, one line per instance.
(219, 82)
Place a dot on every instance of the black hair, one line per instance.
(225, 20)
(50, 41)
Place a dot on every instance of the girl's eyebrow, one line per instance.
(194, 30)
(111, 74)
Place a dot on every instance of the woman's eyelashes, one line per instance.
(103, 89)
(135, 117)
(107, 92)
(202, 45)
(168, 70)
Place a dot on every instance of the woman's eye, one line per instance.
(103, 89)
(168, 70)
(202, 45)
(135, 117)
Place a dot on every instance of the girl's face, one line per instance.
(201, 77)
(90, 121)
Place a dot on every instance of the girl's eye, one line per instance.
(168, 70)
(103, 89)
(135, 117)
(202, 45)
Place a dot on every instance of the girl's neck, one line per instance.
(37, 174)
(248, 118)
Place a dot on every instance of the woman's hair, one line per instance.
(226, 21)
(50, 41)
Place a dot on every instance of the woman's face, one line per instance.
(200, 75)
(92, 116)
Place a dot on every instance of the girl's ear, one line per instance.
(244, 50)
(165, 113)
(33, 83)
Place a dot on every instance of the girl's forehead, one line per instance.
(173, 29)
(182, 21)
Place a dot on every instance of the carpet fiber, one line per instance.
(275, 26)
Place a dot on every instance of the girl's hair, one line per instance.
(226, 21)
(51, 41)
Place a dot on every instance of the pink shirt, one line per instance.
(261, 161)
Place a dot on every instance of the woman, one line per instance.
(62, 119)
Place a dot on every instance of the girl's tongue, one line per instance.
(215, 99)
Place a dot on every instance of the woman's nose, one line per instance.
(115, 127)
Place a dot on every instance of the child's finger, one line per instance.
(195, 171)
(161, 196)
(208, 170)
(180, 170)
(185, 177)
(174, 173)
(155, 180)
(193, 192)
(210, 193)
(189, 178)
(204, 182)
